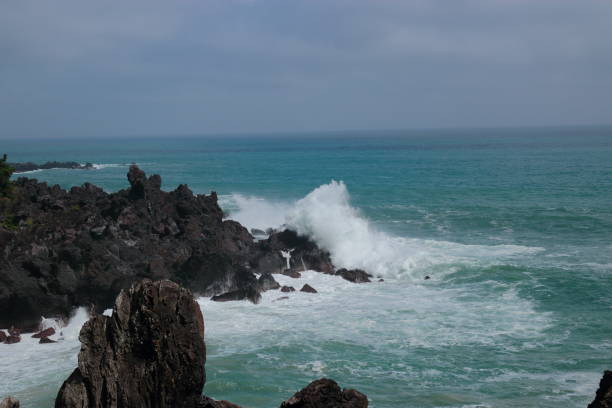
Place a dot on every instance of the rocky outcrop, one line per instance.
(29, 166)
(250, 293)
(603, 397)
(305, 255)
(354, 275)
(287, 289)
(267, 282)
(61, 249)
(326, 393)
(44, 333)
(3, 336)
(149, 353)
(9, 402)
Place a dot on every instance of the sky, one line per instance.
(79, 68)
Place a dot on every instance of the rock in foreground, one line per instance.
(9, 402)
(603, 397)
(326, 393)
(149, 353)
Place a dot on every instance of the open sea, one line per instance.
(514, 227)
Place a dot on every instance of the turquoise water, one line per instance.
(513, 226)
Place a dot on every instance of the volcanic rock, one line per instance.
(287, 289)
(267, 282)
(9, 402)
(281, 298)
(326, 393)
(46, 340)
(603, 397)
(291, 273)
(12, 339)
(149, 353)
(354, 275)
(3, 336)
(309, 289)
(251, 294)
(44, 333)
(305, 254)
(207, 402)
(62, 249)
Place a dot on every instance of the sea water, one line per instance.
(513, 227)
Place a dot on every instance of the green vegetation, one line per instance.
(5, 177)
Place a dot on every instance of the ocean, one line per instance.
(513, 227)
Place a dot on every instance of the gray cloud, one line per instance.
(73, 67)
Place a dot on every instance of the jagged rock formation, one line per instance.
(326, 393)
(60, 249)
(29, 166)
(603, 397)
(305, 255)
(149, 353)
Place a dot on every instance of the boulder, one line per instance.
(46, 340)
(3, 336)
(12, 339)
(44, 333)
(251, 294)
(603, 397)
(281, 298)
(9, 402)
(267, 282)
(207, 402)
(149, 353)
(13, 331)
(354, 275)
(287, 289)
(308, 289)
(326, 393)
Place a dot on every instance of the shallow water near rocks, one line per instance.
(513, 226)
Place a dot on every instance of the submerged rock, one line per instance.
(354, 275)
(3, 336)
(149, 353)
(9, 402)
(326, 393)
(308, 289)
(46, 340)
(603, 397)
(207, 402)
(12, 339)
(287, 289)
(292, 274)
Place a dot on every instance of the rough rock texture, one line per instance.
(207, 402)
(326, 393)
(287, 289)
(149, 353)
(46, 340)
(44, 333)
(603, 397)
(9, 402)
(12, 339)
(3, 336)
(60, 249)
(354, 275)
(306, 254)
(250, 293)
(308, 289)
(267, 282)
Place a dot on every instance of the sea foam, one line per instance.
(327, 216)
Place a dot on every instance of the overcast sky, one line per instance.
(138, 67)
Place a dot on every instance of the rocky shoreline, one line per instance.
(63, 249)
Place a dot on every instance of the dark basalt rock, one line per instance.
(12, 339)
(281, 298)
(308, 289)
(21, 167)
(251, 294)
(3, 336)
(46, 340)
(9, 402)
(149, 353)
(13, 331)
(267, 282)
(603, 397)
(354, 275)
(305, 255)
(61, 249)
(287, 289)
(207, 402)
(326, 393)
(291, 273)
(44, 333)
